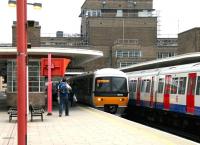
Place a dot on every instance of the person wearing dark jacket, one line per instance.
(63, 97)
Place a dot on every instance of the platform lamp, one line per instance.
(21, 66)
(12, 3)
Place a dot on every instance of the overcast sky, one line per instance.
(175, 16)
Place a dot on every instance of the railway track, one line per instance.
(191, 134)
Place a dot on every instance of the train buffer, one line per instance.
(36, 111)
(12, 111)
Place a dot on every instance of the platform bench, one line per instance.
(12, 112)
(36, 111)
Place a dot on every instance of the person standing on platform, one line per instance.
(63, 89)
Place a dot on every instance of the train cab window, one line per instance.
(198, 86)
(182, 85)
(160, 85)
(119, 84)
(111, 84)
(174, 85)
(103, 84)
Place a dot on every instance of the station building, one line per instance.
(36, 87)
(124, 30)
(189, 41)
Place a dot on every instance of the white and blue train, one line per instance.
(173, 90)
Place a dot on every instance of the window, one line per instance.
(119, 13)
(165, 54)
(36, 82)
(125, 63)
(92, 13)
(107, 86)
(144, 13)
(145, 87)
(174, 85)
(182, 85)
(134, 53)
(142, 88)
(198, 86)
(148, 82)
(160, 85)
(134, 84)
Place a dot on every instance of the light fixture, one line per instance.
(103, 3)
(37, 6)
(12, 3)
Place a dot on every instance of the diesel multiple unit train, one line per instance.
(169, 94)
(105, 88)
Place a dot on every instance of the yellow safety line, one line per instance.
(128, 127)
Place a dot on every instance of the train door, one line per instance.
(151, 92)
(190, 92)
(132, 90)
(167, 92)
(138, 92)
(159, 95)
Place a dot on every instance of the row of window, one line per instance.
(165, 54)
(36, 82)
(177, 85)
(91, 13)
(119, 13)
(125, 63)
(134, 53)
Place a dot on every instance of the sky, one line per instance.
(174, 16)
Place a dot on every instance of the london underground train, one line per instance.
(105, 88)
(166, 93)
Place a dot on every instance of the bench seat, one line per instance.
(12, 111)
(36, 111)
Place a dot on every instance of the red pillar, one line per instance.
(49, 86)
(26, 61)
(21, 72)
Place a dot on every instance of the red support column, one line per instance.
(26, 80)
(21, 72)
(49, 86)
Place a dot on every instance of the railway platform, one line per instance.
(86, 126)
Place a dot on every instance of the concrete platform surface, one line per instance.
(86, 126)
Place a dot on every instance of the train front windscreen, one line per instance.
(111, 86)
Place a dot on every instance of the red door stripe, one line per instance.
(190, 92)
(167, 92)
(151, 93)
(138, 92)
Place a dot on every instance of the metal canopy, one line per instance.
(77, 55)
(171, 61)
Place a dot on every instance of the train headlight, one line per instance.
(100, 99)
(122, 99)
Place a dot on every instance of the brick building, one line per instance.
(166, 47)
(33, 33)
(189, 41)
(125, 30)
